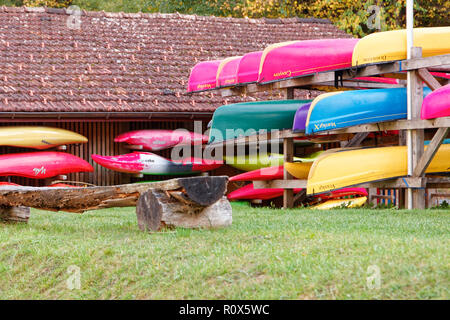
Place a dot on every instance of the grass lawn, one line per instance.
(265, 254)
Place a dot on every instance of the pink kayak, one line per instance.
(298, 58)
(248, 68)
(437, 104)
(269, 173)
(155, 140)
(40, 165)
(150, 163)
(203, 76)
(249, 193)
(227, 72)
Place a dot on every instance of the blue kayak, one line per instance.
(344, 109)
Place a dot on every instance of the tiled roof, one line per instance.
(124, 61)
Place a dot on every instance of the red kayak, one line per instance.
(150, 163)
(299, 58)
(40, 165)
(270, 173)
(62, 185)
(155, 140)
(9, 184)
(345, 192)
(249, 193)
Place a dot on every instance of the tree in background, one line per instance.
(358, 17)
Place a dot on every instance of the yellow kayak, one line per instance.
(349, 203)
(342, 169)
(38, 137)
(300, 170)
(391, 45)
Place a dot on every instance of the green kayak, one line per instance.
(248, 118)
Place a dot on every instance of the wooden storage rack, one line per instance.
(417, 67)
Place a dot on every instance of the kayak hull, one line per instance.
(154, 140)
(42, 164)
(248, 68)
(343, 109)
(248, 118)
(337, 203)
(38, 137)
(203, 76)
(299, 58)
(301, 115)
(335, 170)
(271, 173)
(437, 104)
(248, 192)
(152, 164)
(391, 45)
(227, 72)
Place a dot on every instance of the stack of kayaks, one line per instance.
(153, 164)
(41, 164)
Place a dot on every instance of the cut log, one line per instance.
(157, 209)
(202, 190)
(15, 214)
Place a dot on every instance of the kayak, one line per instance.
(437, 104)
(299, 123)
(338, 203)
(248, 68)
(248, 192)
(150, 163)
(344, 192)
(259, 161)
(42, 164)
(203, 76)
(336, 110)
(391, 45)
(335, 170)
(155, 140)
(38, 137)
(299, 58)
(248, 118)
(271, 173)
(227, 72)
(63, 185)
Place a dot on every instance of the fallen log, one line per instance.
(204, 191)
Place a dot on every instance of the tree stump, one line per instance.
(157, 209)
(15, 214)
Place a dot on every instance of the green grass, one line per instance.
(265, 254)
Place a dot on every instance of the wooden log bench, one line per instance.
(194, 202)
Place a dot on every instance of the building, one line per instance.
(101, 74)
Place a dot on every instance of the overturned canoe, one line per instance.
(248, 68)
(203, 76)
(272, 173)
(299, 58)
(335, 170)
(341, 203)
(150, 163)
(259, 161)
(155, 140)
(248, 118)
(336, 110)
(227, 72)
(391, 45)
(38, 137)
(437, 104)
(248, 192)
(301, 115)
(42, 164)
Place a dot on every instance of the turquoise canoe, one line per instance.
(248, 118)
(336, 110)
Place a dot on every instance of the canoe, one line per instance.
(38, 137)
(272, 173)
(150, 163)
(335, 170)
(42, 164)
(338, 203)
(259, 161)
(154, 140)
(227, 72)
(299, 123)
(248, 118)
(203, 76)
(336, 110)
(248, 68)
(391, 45)
(248, 192)
(437, 104)
(299, 58)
